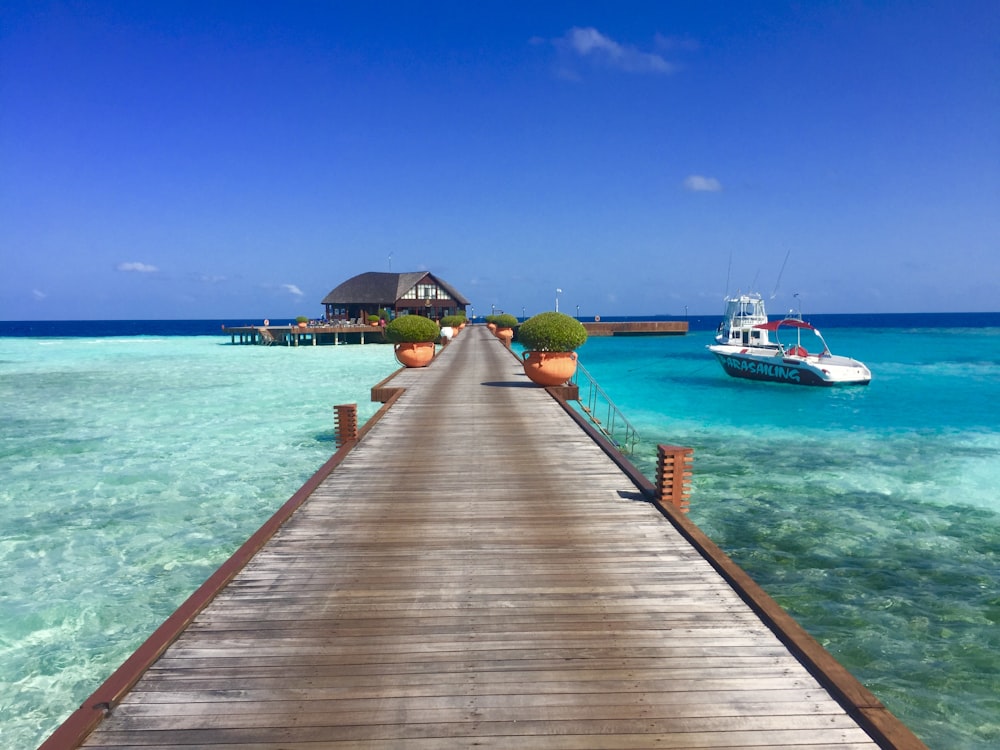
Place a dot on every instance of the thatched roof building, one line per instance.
(399, 293)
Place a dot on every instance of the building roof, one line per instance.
(380, 288)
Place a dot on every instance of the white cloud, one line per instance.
(38, 294)
(698, 184)
(292, 289)
(137, 268)
(590, 44)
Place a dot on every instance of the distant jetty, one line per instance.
(637, 328)
(353, 333)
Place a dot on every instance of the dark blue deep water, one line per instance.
(76, 328)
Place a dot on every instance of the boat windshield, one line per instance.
(747, 308)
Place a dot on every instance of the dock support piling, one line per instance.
(347, 423)
(673, 476)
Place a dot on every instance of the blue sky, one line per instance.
(240, 159)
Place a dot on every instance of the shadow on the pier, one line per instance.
(639, 497)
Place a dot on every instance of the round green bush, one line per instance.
(505, 320)
(411, 329)
(552, 332)
(452, 320)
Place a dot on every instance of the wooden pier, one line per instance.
(478, 570)
(323, 335)
(293, 335)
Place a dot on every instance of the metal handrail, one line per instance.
(614, 425)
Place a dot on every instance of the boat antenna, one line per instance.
(729, 270)
(780, 273)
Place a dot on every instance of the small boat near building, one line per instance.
(750, 346)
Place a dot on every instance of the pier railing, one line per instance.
(603, 412)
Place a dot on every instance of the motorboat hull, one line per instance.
(774, 367)
(748, 346)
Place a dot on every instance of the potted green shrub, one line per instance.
(550, 341)
(302, 321)
(450, 326)
(505, 323)
(414, 337)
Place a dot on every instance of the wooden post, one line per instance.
(673, 476)
(347, 423)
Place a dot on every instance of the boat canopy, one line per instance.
(774, 325)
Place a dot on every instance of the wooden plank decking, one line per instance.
(477, 572)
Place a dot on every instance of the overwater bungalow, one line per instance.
(417, 292)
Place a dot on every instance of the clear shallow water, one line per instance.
(133, 466)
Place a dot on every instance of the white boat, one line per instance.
(749, 346)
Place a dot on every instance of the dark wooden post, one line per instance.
(347, 423)
(673, 476)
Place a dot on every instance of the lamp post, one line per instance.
(578, 312)
(522, 314)
(558, 292)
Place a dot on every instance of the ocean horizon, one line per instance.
(138, 455)
(213, 326)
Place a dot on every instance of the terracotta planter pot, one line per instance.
(415, 355)
(549, 368)
(302, 325)
(492, 327)
(506, 335)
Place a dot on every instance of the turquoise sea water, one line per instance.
(871, 513)
(134, 465)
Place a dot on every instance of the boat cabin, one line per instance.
(738, 327)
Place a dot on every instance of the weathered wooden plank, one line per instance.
(724, 703)
(358, 674)
(201, 672)
(399, 685)
(682, 734)
(753, 716)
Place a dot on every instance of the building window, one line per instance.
(426, 291)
